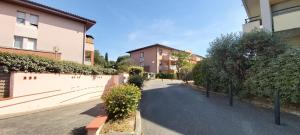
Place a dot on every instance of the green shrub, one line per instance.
(29, 63)
(122, 100)
(281, 73)
(201, 72)
(186, 72)
(136, 80)
(136, 70)
(165, 76)
(231, 56)
(146, 76)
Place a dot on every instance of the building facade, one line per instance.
(31, 28)
(280, 16)
(158, 58)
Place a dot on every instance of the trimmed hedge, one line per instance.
(136, 70)
(165, 76)
(136, 80)
(122, 100)
(281, 73)
(29, 63)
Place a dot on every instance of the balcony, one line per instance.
(89, 43)
(286, 19)
(163, 68)
(283, 19)
(166, 67)
(168, 58)
(252, 23)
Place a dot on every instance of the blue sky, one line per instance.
(123, 25)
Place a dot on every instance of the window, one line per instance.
(34, 20)
(142, 55)
(18, 43)
(31, 44)
(142, 64)
(21, 17)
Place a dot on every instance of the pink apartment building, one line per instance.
(31, 28)
(158, 58)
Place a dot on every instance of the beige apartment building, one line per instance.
(158, 58)
(280, 16)
(31, 28)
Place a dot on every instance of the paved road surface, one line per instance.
(68, 120)
(168, 108)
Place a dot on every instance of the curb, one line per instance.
(95, 126)
(255, 103)
(202, 89)
(138, 123)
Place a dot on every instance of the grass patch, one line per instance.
(121, 125)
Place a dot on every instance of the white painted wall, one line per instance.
(40, 91)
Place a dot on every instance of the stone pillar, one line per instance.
(266, 15)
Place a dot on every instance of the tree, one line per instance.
(123, 63)
(111, 64)
(106, 57)
(186, 72)
(123, 58)
(98, 59)
(182, 59)
(231, 56)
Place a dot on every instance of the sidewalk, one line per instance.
(68, 120)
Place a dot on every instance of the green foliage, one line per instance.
(136, 80)
(281, 73)
(106, 57)
(186, 72)
(136, 70)
(225, 63)
(165, 76)
(111, 64)
(182, 59)
(122, 100)
(123, 63)
(202, 72)
(256, 63)
(29, 63)
(122, 58)
(99, 59)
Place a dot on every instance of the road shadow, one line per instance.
(185, 111)
(95, 111)
(79, 131)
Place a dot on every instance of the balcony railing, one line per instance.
(163, 67)
(253, 19)
(283, 19)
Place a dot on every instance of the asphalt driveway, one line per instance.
(68, 120)
(169, 108)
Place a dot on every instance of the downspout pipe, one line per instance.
(84, 35)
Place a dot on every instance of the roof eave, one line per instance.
(246, 7)
(37, 6)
